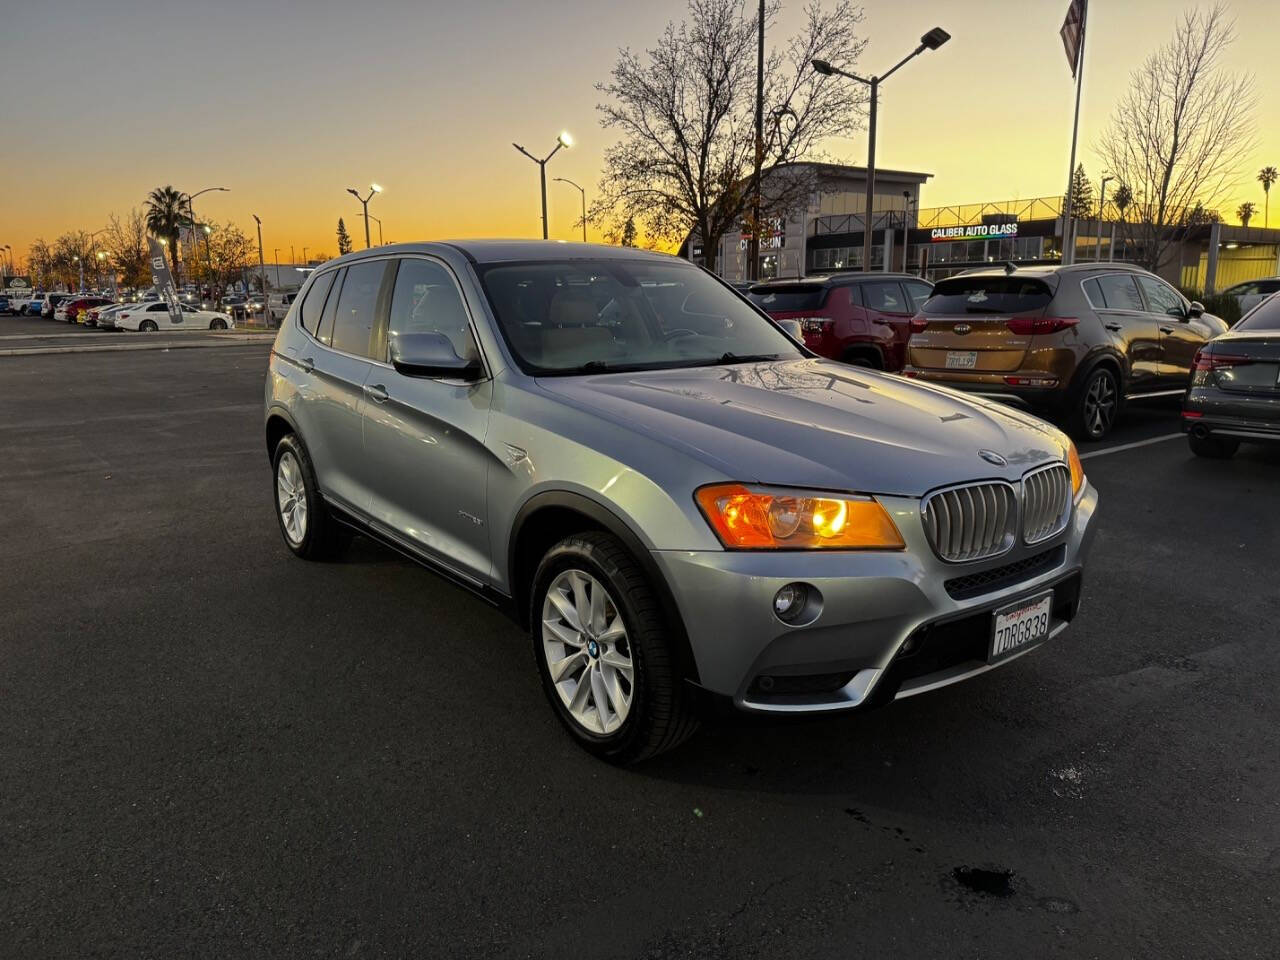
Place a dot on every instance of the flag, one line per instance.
(1072, 33)
(162, 280)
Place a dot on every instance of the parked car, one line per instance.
(20, 303)
(153, 315)
(49, 305)
(678, 499)
(1078, 340)
(1252, 292)
(104, 317)
(858, 318)
(280, 304)
(34, 306)
(72, 309)
(4, 304)
(1234, 396)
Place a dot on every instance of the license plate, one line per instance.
(1020, 625)
(962, 359)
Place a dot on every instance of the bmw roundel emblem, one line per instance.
(993, 458)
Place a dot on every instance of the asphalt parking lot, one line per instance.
(213, 749)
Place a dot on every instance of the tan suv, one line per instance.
(1074, 340)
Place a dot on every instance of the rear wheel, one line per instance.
(863, 358)
(148, 326)
(600, 643)
(1213, 448)
(1096, 405)
(308, 529)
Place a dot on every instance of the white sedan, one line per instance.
(151, 315)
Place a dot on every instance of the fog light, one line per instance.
(789, 601)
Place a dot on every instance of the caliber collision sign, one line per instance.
(162, 280)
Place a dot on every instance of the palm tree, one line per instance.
(1245, 212)
(165, 219)
(1267, 176)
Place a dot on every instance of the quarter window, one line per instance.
(1162, 298)
(313, 305)
(426, 300)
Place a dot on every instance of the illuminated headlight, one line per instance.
(759, 518)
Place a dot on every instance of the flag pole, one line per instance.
(1068, 220)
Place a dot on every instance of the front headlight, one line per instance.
(747, 518)
(1077, 469)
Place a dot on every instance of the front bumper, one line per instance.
(891, 624)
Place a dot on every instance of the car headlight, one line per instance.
(1077, 469)
(747, 518)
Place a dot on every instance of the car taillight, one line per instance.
(1218, 361)
(919, 324)
(1036, 326)
(814, 324)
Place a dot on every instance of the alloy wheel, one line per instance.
(291, 498)
(587, 651)
(1100, 402)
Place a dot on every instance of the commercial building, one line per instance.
(936, 242)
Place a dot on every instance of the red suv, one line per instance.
(85, 304)
(859, 318)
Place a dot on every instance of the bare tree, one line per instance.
(684, 113)
(40, 261)
(1178, 133)
(231, 252)
(127, 242)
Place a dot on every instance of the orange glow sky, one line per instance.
(288, 104)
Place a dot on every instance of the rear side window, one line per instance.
(1117, 292)
(1264, 317)
(883, 296)
(313, 306)
(988, 294)
(353, 321)
(790, 298)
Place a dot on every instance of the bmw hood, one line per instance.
(819, 424)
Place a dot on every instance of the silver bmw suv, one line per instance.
(680, 502)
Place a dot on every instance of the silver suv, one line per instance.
(678, 500)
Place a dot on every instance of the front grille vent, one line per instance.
(972, 522)
(1046, 503)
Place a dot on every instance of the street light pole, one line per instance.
(564, 140)
(753, 245)
(930, 41)
(192, 214)
(1102, 199)
(262, 272)
(379, 223)
(276, 257)
(584, 203)
(305, 261)
(364, 202)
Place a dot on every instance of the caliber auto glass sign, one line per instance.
(976, 231)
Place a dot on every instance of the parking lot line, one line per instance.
(1129, 446)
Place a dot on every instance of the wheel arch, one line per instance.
(278, 424)
(865, 350)
(546, 519)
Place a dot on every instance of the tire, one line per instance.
(318, 536)
(865, 360)
(218, 325)
(148, 326)
(1096, 405)
(659, 713)
(1213, 448)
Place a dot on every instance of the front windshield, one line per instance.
(586, 316)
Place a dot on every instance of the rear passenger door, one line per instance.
(1134, 332)
(889, 311)
(339, 365)
(424, 438)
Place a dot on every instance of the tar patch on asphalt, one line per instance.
(991, 883)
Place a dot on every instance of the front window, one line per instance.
(597, 316)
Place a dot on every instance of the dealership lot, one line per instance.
(214, 749)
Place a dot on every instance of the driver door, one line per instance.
(1180, 337)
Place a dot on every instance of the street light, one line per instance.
(930, 41)
(584, 204)
(564, 140)
(192, 214)
(364, 202)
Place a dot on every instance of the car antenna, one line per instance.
(1010, 266)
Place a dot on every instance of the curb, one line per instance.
(125, 347)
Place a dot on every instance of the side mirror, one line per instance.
(792, 329)
(431, 355)
(1197, 309)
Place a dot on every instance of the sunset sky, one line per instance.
(288, 104)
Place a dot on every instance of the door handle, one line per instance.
(307, 364)
(1166, 329)
(376, 392)
(1113, 327)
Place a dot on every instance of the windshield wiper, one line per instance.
(731, 357)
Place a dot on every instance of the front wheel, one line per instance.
(601, 645)
(1096, 406)
(1213, 448)
(218, 325)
